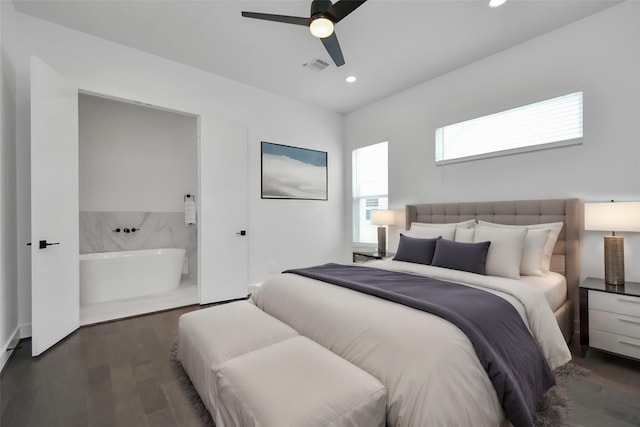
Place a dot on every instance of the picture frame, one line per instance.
(293, 172)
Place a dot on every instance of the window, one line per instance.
(551, 123)
(370, 189)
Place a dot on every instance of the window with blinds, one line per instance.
(369, 189)
(546, 124)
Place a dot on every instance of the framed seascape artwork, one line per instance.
(293, 173)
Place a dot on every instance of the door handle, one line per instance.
(43, 244)
(242, 233)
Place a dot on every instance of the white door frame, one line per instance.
(219, 286)
(198, 133)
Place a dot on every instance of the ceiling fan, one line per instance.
(324, 15)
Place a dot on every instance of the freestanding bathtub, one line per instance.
(109, 276)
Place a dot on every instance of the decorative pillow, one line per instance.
(419, 251)
(465, 235)
(545, 258)
(471, 257)
(505, 253)
(439, 230)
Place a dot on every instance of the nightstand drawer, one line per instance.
(614, 343)
(616, 323)
(614, 303)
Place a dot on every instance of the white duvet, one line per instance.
(431, 372)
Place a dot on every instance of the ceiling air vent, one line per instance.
(316, 64)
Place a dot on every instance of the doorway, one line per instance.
(222, 209)
(138, 179)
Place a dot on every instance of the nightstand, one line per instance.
(610, 317)
(369, 256)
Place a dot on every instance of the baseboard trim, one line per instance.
(8, 348)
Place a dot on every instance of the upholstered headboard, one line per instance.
(565, 259)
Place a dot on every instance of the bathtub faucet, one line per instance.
(126, 230)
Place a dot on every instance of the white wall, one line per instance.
(103, 67)
(135, 158)
(599, 55)
(8, 261)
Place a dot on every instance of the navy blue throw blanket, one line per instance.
(515, 364)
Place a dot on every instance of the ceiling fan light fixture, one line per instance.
(496, 3)
(321, 27)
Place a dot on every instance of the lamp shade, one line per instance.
(612, 216)
(382, 217)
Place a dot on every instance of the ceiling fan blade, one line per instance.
(342, 8)
(278, 18)
(333, 47)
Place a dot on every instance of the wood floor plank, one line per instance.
(130, 412)
(46, 409)
(183, 410)
(162, 418)
(152, 397)
(101, 408)
(18, 407)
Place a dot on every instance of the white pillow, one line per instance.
(533, 251)
(465, 235)
(545, 258)
(447, 232)
(505, 251)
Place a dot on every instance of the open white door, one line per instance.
(223, 240)
(55, 298)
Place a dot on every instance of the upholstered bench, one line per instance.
(297, 383)
(211, 336)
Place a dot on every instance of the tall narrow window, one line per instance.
(370, 189)
(550, 123)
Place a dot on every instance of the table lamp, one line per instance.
(613, 216)
(382, 218)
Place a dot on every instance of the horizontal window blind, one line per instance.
(369, 189)
(553, 120)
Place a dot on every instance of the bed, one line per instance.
(432, 372)
(565, 260)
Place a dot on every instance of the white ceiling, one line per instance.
(390, 45)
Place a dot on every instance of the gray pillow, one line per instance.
(471, 257)
(418, 251)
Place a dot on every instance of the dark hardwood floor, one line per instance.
(610, 395)
(120, 374)
(111, 374)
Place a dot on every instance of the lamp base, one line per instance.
(614, 260)
(382, 241)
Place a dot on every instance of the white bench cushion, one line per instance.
(297, 383)
(211, 336)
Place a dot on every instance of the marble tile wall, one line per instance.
(156, 230)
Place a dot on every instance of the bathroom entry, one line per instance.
(138, 177)
(222, 158)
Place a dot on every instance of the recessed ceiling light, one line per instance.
(496, 3)
(350, 79)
